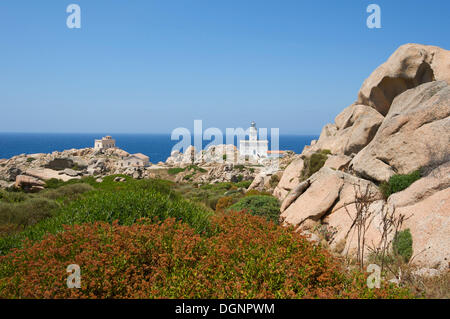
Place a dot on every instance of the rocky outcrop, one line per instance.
(399, 123)
(354, 128)
(338, 162)
(410, 66)
(325, 191)
(315, 201)
(414, 134)
(426, 204)
(29, 183)
(69, 164)
(429, 224)
(290, 178)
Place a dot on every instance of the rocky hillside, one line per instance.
(399, 124)
(30, 170)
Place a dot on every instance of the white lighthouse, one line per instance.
(253, 147)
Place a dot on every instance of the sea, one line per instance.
(156, 146)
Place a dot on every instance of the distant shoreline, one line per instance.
(157, 146)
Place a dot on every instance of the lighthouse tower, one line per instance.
(253, 147)
(253, 134)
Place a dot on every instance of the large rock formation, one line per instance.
(399, 123)
(410, 66)
(426, 204)
(290, 178)
(415, 133)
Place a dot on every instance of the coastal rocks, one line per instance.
(355, 127)
(414, 134)
(29, 183)
(71, 172)
(338, 162)
(429, 224)
(410, 65)
(339, 223)
(59, 164)
(12, 173)
(437, 180)
(315, 201)
(290, 178)
(327, 201)
(220, 153)
(426, 205)
(47, 173)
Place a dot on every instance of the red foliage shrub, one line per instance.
(247, 257)
(223, 203)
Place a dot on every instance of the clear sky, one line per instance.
(145, 66)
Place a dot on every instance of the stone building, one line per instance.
(105, 143)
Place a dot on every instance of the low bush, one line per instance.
(274, 180)
(13, 197)
(259, 205)
(175, 170)
(402, 244)
(314, 163)
(68, 192)
(223, 203)
(399, 182)
(243, 184)
(28, 212)
(246, 257)
(254, 192)
(136, 200)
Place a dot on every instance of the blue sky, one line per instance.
(150, 66)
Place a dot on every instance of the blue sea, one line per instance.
(156, 146)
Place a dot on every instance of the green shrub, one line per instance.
(259, 205)
(254, 192)
(402, 244)
(133, 201)
(28, 212)
(401, 182)
(13, 197)
(67, 191)
(30, 159)
(195, 168)
(56, 183)
(274, 180)
(223, 203)
(243, 184)
(175, 170)
(398, 182)
(314, 163)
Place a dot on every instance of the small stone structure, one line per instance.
(105, 143)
